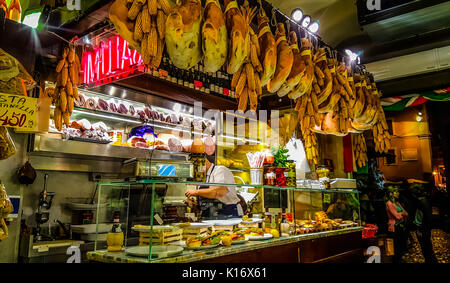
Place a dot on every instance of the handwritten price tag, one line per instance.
(17, 111)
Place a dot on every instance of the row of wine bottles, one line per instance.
(218, 83)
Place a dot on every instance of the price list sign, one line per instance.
(18, 111)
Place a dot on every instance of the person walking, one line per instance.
(397, 217)
(422, 222)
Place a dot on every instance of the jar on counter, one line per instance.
(290, 174)
(269, 175)
(199, 168)
(323, 175)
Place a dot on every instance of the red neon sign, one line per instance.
(111, 61)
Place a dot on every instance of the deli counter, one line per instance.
(296, 225)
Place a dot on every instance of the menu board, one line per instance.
(18, 111)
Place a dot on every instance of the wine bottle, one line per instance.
(212, 85)
(191, 78)
(185, 76)
(207, 84)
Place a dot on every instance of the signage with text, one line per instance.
(110, 60)
(18, 111)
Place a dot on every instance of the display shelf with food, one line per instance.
(311, 212)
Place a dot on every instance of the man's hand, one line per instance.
(191, 193)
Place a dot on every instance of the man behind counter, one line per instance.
(226, 196)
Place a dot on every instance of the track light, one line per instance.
(352, 56)
(297, 15)
(306, 21)
(32, 20)
(314, 27)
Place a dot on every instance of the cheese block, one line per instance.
(214, 37)
(183, 38)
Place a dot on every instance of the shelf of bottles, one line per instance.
(218, 84)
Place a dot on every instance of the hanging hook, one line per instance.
(288, 26)
(273, 21)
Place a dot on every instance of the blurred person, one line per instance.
(422, 221)
(397, 217)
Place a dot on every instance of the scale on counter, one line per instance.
(172, 166)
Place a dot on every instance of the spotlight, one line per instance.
(419, 118)
(351, 55)
(306, 21)
(297, 15)
(32, 20)
(420, 113)
(314, 27)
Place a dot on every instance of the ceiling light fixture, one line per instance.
(306, 21)
(297, 15)
(314, 27)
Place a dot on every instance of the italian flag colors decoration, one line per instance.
(398, 103)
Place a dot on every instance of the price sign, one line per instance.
(17, 111)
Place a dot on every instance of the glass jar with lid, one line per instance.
(290, 173)
(269, 174)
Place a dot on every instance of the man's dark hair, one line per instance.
(211, 158)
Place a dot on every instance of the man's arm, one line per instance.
(212, 192)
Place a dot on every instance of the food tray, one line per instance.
(259, 238)
(254, 220)
(157, 251)
(248, 225)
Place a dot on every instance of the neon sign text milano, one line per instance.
(110, 61)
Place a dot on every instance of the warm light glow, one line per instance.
(434, 173)
(419, 118)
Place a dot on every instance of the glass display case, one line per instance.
(157, 224)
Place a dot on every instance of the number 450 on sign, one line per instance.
(17, 111)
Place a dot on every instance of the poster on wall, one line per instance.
(409, 154)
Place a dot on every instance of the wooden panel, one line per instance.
(175, 92)
(317, 249)
(353, 256)
(278, 254)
